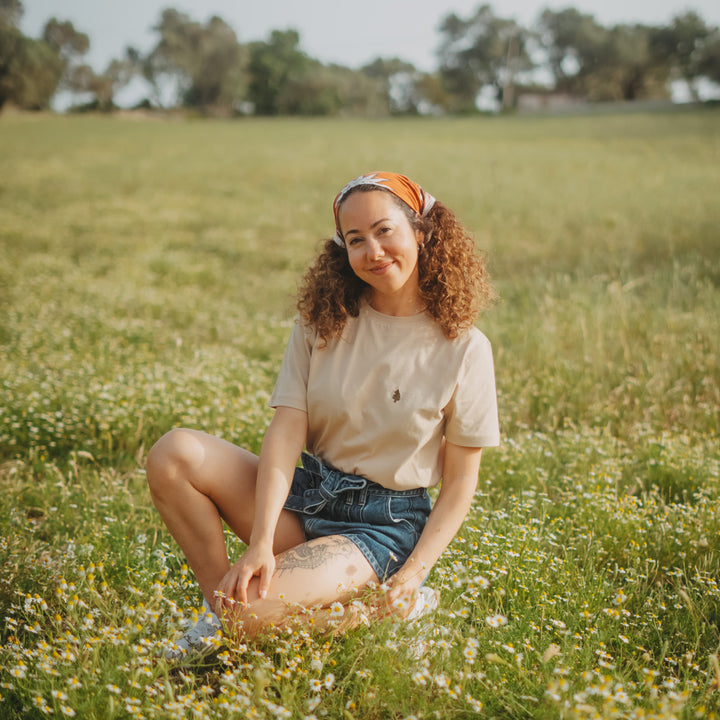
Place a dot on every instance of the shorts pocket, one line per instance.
(401, 511)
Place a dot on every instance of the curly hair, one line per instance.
(453, 279)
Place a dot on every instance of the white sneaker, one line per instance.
(197, 638)
(427, 601)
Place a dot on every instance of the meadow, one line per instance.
(147, 271)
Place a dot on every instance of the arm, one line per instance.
(281, 447)
(461, 466)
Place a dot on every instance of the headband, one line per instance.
(400, 186)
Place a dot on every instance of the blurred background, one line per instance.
(226, 58)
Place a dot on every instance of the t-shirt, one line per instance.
(381, 397)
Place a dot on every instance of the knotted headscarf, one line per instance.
(400, 186)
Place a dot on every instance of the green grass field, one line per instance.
(147, 269)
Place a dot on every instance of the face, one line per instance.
(382, 248)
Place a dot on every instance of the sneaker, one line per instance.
(199, 637)
(427, 601)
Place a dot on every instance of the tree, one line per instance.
(11, 40)
(117, 75)
(206, 62)
(573, 43)
(274, 66)
(29, 69)
(357, 94)
(709, 65)
(10, 13)
(598, 63)
(482, 50)
(70, 45)
(627, 69)
(681, 45)
(32, 75)
(396, 80)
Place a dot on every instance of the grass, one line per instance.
(146, 281)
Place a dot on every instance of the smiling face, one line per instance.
(382, 249)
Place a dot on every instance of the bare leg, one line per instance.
(197, 481)
(309, 576)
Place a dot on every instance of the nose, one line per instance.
(374, 249)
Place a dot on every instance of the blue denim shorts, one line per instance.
(384, 524)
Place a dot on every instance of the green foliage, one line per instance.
(29, 71)
(474, 53)
(206, 61)
(624, 62)
(217, 75)
(275, 66)
(147, 283)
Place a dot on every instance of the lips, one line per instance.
(381, 269)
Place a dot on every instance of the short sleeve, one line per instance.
(471, 416)
(291, 385)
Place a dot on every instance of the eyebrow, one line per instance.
(374, 225)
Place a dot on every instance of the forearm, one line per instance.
(446, 517)
(282, 445)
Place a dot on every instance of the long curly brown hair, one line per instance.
(454, 282)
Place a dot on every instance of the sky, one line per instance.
(347, 32)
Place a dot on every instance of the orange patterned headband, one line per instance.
(400, 186)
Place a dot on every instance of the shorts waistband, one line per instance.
(329, 482)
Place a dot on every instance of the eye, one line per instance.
(354, 240)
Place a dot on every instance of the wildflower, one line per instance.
(400, 604)
(41, 704)
(316, 685)
(496, 620)
(470, 654)
(329, 681)
(337, 610)
(419, 678)
(67, 711)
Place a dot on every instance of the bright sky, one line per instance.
(347, 32)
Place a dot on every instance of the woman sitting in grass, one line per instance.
(390, 388)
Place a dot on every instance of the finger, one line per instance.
(266, 574)
(241, 587)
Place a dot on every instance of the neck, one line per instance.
(397, 306)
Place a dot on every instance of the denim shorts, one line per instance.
(384, 524)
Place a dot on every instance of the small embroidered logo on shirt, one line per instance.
(396, 395)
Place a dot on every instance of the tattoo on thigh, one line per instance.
(312, 555)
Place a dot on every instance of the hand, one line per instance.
(401, 593)
(257, 560)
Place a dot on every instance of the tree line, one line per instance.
(207, 68)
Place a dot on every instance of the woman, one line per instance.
(388, 385)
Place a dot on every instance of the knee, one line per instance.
(171, 459)
(257, 618)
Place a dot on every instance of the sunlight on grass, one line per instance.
(147, 280)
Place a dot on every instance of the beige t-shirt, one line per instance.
(381, 398)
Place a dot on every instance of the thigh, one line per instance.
(227, 475)
(317, 573)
